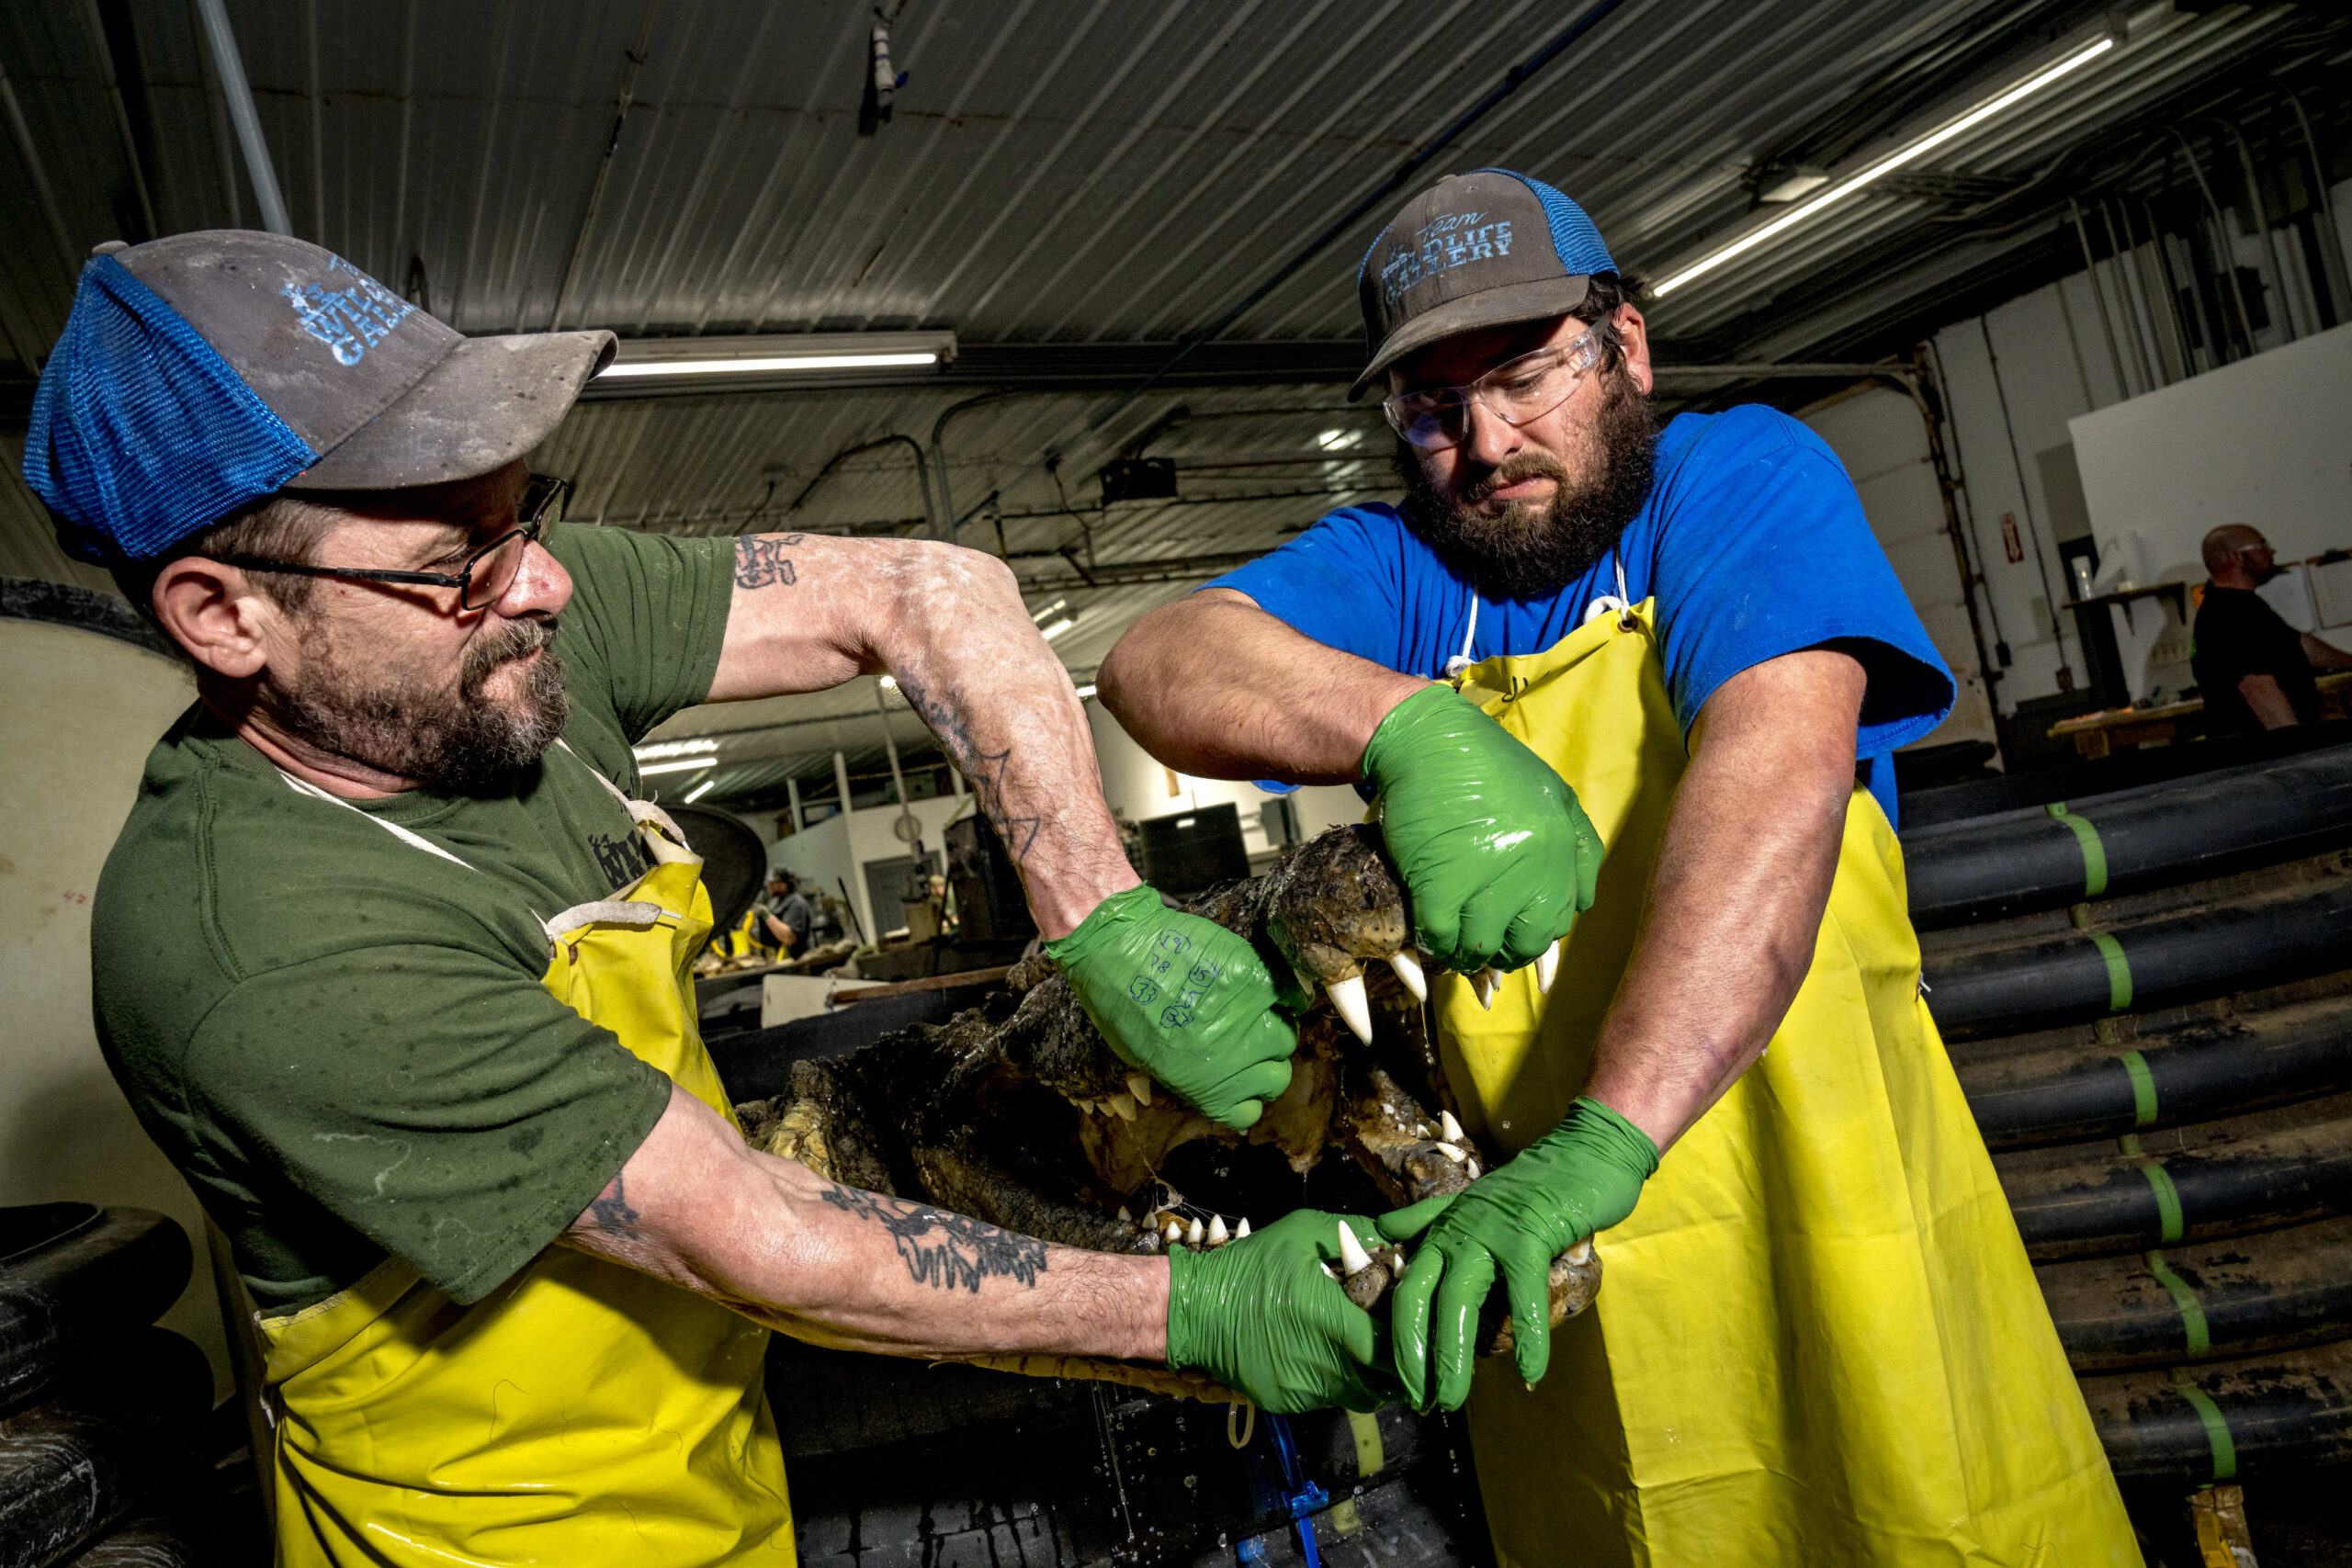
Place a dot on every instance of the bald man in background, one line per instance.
(2256, 670)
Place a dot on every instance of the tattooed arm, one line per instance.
(773, 1240)
(810, 612)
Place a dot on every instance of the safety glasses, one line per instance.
(1514, 391)
(484, 576)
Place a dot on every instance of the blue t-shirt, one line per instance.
(1752, 541)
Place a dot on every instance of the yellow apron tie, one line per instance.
(583, 1413)
(1820, 1342)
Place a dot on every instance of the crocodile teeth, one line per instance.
(1547, 968)
(1123, 1106)
(1195, 1232)
(1470, 1169)
(1241, 1230)
(1408, 969)
(1483, 985)
(1352, 1257)
(1217, 1236)
(1449, 1152)
(1175, 1233)
(1140, 1087)
(1348, 1000)
(1581, 1252)
(1449, 1129)
(1126, 1218)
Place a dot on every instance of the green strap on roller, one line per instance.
(2192, 1314)
(2119, 971)
(2143, 1089)
(2170, 1229)
(2094, 852)
(2217, 1429)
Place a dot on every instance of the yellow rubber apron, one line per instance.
(581, 1413)
(1819, 1341)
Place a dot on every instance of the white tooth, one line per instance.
(1470, 1169)
(1123, 1106)
(1328, 1270)
(1482, 984)
(1352, 1257)
(1195, 1232)
(1581, 1252)
(1348, 1000)
(1140, 1087)
(1547, 968)
(1408, 969)
(1126, 1218)
(1217, 1236)
(1449, 1129)
(1449, 1152)
(1241, 1230)
(1175, 1233)
(1494, 979)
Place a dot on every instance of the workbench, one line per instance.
(2097, 734)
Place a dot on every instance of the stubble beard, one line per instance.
(460, 741)
(1530, 550)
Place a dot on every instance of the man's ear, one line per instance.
(1633, 335)
(214, 612)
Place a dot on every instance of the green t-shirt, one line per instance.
(341, 1039)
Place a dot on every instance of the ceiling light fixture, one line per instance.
(1085, 691)
(1874, 169)
(679, 765)
(653, 752)
(1059, 627)
(774, 353)
(699, 790)
(1054, 608)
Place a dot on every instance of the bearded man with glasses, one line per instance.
(1622, 700)
(392, 956)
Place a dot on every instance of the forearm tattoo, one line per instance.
(761, 562)
(984, 771)
(949, 1251)
(612, 1210)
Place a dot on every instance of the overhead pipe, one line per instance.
(2228, 256)
(2341, 283)
(2261, 215)
(922, 477)
(229, 66)
(2099, 297)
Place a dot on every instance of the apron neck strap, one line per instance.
(414, 840)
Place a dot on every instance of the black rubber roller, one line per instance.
(2204, 951)
(73, 1280)
(2278, 1290)
(2158, 835)
(2190, 1184)
(74, 1467)
(2260, 1415)
(2151, 1073)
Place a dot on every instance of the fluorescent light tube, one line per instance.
(1057, 606)
(680, 765)
(1084, 692)
(653, 752)
(1059, 627)
(700, 791)
(768, 363)
(1908, 152)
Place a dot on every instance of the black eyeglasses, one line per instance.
(486, 574)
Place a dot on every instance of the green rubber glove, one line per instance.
(1581, 1176)
(1262, 1317)
(1498, 857)
(1185, 1000)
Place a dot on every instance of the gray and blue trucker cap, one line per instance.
(1490, 248)
(206, 370)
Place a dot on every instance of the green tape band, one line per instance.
(2193, 1315)
(2217, 1430)
(2143, 1089)
(2119, 971)
(2094, 853)
(2167, 1200)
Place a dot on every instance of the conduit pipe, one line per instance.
(2261, 215)
(230, 66)
(2126, 287)
(2341, 284)
(2099, 297)
(2229, 255)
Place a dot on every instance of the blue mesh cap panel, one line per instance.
(1574, 238)
(142, 434)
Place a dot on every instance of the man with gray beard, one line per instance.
(392, 956)
(1818, 1330)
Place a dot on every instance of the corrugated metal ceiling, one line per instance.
(1056, 172)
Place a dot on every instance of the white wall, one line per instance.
(2266, 441)
(78, 713)
(837, 850)
(1881, 439)
(1137, 787)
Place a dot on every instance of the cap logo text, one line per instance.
(1440, 245)
(348, 321)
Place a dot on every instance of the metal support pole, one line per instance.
(2261, 215)
(2341, 282)
(104, 55)
(792, 801)
(26, 151)
(1923, 394)
(860, 905)
(2229, 254)
(2099, 297)
(2134, 307)
(230, 66)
